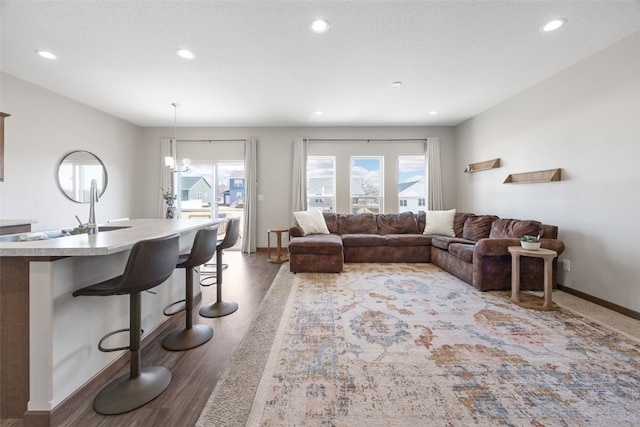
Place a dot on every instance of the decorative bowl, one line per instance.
(530, 245)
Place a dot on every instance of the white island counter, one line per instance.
(48, 337)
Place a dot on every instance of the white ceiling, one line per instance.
(258, 63)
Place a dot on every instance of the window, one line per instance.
(411, 183)
(366, 184)
(321, 183)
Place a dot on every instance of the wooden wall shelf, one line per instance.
(531, 177)
(482, 166)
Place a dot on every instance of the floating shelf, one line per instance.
(530, 177)
(482, 166)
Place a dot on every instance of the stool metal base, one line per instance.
(125, 393)
(187, 338)
(218, 309)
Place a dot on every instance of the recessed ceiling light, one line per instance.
(46, 54)
(554, 25)
(186, 54)
(319, 26)
(318, 113)
(396, 84)
(433, 113)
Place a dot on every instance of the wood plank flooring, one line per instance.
(196, 371)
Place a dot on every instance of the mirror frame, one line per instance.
(105, 176)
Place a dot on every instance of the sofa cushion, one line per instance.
(477, 227)
(363, 240)
(364, 223)
(311, 222)
(408, 240)
(463, 251)
(331, 219)
(319, 244)
(440, 223)
(421, 219)
(397, 223)
(458, 222)
(443, 242)
(510, 228)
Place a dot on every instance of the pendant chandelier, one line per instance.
(169, 161)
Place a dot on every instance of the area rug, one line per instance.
(410, 345)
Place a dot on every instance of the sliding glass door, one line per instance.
(214, 185)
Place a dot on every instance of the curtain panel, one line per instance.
(434, 173)
(167, 149)
(299, 177)
(249, 234)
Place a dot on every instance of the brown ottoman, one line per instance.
(317, 253)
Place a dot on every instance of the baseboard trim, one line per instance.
(606, 304)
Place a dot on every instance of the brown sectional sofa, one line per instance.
(477, 254)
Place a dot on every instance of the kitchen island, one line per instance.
(48, 338)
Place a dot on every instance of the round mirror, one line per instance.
(75, 172)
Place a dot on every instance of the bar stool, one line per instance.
(221, 308)
(150, 263)
(203, 249)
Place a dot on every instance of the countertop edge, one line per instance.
(105, 243)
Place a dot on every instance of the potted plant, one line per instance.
(169, 199)
(530, 242)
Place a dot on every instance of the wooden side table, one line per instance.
(279, 259)
(547, 255)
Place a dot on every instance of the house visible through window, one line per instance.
(321, 183)
(411, 183)
(366, 184)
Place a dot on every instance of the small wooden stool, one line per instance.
(547, 255)
(279, 259)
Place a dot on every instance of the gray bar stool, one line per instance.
(203, 249)
(150, 263)
(221, 308)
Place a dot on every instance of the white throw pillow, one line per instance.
(311, 222)
(440, 222)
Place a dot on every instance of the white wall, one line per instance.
(45, 126)
(585, 120)
(275, 151)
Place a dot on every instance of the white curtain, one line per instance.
(299, 176)
(167, 149)
(249, 234)
(434, 174)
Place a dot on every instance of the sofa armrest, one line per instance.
(295, 231)
(492, 261)
(498, 247)
(553, 244)
(494, 246)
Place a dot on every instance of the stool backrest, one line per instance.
(150, 263)
(232, 233)
(204, 247)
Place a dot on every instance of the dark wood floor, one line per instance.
(194, 372)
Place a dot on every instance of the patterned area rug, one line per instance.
(410, 345)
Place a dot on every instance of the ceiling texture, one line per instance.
(259, 64)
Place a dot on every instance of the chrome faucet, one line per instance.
(92, 227)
